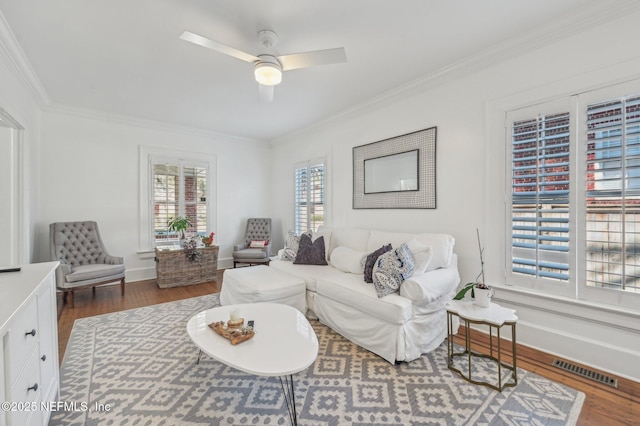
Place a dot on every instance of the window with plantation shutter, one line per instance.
(179, 188)
(309, 196)
(573, 196)
(613, 194)
(540, 148)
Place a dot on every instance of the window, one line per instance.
(540, 196)
(613, 194)
(179, 189)
(174, 183)
(574, 199)
(309, 196)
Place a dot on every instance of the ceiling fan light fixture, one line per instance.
(268, 73)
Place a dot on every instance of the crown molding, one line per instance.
(145, 123)
(579, 22)
(12, 54)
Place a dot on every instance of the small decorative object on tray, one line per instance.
(233, 330)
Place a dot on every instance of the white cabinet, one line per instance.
(29, 329)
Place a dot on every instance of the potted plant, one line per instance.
(179, 224)
(479, 282)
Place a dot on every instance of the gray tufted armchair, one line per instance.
(258, 229)
(84, 262)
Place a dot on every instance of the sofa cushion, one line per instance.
(371, 260)
(311, 252)
(353, 238)
(350, 289)
(348, 260)
(391, 269)
(309, 273)
(441, 244)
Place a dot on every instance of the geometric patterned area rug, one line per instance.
(138, 367)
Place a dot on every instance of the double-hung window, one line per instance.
(574, 197)
(309, 195)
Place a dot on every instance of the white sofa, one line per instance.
(398, 327)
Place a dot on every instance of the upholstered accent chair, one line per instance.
(252, 250)
(84, 262)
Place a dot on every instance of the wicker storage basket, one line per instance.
(173, 269)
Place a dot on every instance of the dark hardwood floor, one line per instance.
(603, 405)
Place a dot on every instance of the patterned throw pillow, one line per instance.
(291, 247)
(371, 260)
(391, 269)
(310, 252)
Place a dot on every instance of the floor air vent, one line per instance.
(585, 372)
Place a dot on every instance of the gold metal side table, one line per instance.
(494, 316)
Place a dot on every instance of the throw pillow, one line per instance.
(290, 247)
(310, 252)
(258, 243)
(347, 259)
(371, 260)
(391, 269)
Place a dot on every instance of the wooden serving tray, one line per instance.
(235, 335)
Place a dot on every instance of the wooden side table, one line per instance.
(494, 316)
(173, 269)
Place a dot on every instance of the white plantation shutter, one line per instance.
(540, 164)
(309, 196)
(613, 194)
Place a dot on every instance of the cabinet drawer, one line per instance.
(25, 397)
(20, 344)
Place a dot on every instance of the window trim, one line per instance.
(146, 238)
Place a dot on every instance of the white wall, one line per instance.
(89, 171)
(469, 114)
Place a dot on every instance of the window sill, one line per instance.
(610, 315)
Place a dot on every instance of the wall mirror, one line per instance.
(396, 173)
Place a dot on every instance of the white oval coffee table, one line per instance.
(284, 343)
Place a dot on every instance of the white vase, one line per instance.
(482, 296)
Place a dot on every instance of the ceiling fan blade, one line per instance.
(265, 93)
(218, 47)
(312, 59)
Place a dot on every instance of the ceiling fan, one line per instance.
(268, 68)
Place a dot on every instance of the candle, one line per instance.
(235, 315)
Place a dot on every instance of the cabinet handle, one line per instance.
(43, 357)
(32, 332)
(33, 388)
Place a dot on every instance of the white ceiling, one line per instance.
(124, 57)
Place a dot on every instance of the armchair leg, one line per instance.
(71, 304)
(122, 286)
